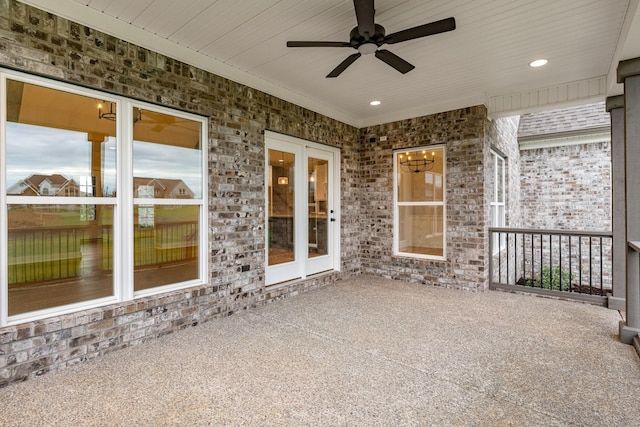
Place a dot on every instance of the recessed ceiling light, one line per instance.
(375, 103)
(538, 63)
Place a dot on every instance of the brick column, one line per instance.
(615, 107)
(629, 74)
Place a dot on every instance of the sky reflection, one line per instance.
(47, 151)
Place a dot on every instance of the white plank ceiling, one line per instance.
(484, 61)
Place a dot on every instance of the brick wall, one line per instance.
(567, 188)
(38, 42)
(502, 134)
(463, 133)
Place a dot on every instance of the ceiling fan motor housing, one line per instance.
(356, 39)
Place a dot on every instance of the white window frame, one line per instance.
(397, 205)
(498, 207)
(123, 203)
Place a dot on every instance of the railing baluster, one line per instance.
(590, 267)
(601, 270)
(515, 257)
(499, 257)
(550, 261)
(580, 265)
(541, 260)
(507, 243)
(533, 259)
(560, 258)
(524, 266)
(570, 269)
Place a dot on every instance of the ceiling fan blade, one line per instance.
(436, 27)
(344, 64)
(394, 60)
(365, 12)
(318, 44)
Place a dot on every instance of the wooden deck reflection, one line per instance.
(93, 282)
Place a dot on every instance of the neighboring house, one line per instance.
(162, 188)
(565, 166)
(45, 185)
(59, 185)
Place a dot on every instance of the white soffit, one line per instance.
(484, 61)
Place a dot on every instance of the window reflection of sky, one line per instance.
(47, 151)
(169, 162)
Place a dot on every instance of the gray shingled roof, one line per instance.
(584, 117)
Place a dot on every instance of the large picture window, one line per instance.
(419, 216)
(102, 198)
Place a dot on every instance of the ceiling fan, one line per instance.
(368, 36)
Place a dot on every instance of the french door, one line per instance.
(302, 208)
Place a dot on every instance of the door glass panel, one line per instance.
(317, 211)
(281, 207)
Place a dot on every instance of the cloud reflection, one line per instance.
(47, 151)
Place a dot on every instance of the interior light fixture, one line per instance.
(538, 63)
(374, 103)
(111, 114)
(417, 162)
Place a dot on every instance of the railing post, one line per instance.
(615, 107)
(629, 74)
(490, 259)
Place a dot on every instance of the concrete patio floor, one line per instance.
(363, 352)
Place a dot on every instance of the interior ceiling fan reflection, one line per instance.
(368, 36)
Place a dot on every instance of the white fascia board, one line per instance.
(561, 141)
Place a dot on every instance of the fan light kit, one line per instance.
(368, 36)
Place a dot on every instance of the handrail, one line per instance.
(553, 232)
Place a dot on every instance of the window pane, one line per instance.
(500, 178)
(58, 255)
(421, 230)
(317, 209)
(420, 176)
(167, 155)
(281, 207)
(57, 145)
(165, 245)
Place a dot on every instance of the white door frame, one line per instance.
(302, 267)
